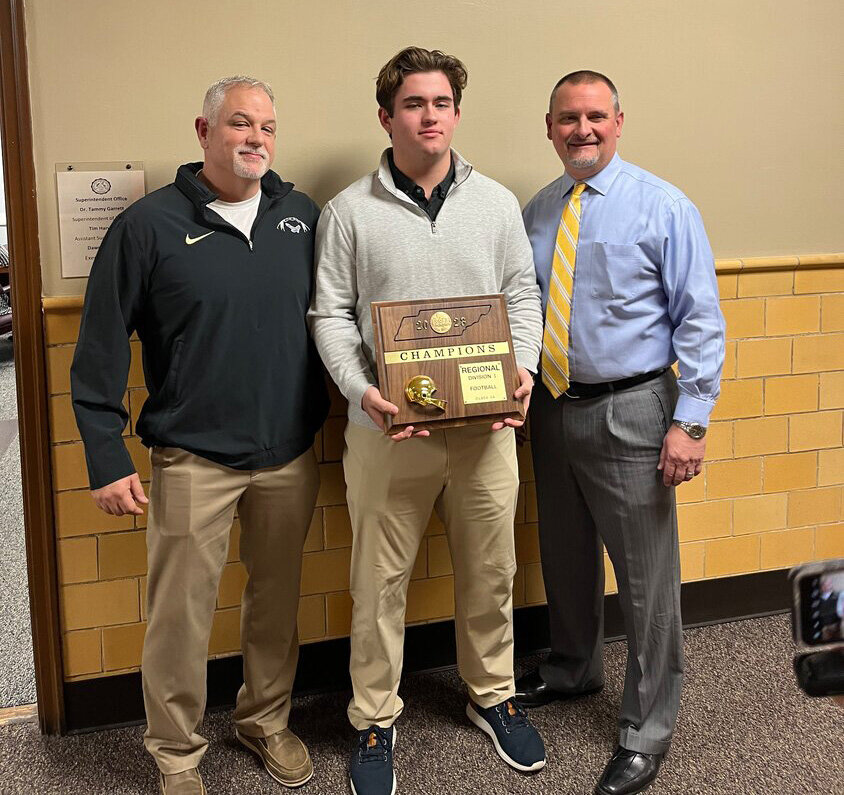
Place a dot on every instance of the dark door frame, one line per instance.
(30, 365)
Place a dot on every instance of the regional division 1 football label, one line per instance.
(482, 382)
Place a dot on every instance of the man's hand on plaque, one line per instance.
(376, 407)
(523, 394)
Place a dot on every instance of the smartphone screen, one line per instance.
(822, 607)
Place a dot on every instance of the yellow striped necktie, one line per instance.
(555, 340)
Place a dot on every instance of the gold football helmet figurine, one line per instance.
(420, 389)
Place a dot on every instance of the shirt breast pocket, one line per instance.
(619, 271)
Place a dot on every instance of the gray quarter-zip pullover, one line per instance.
(374, 244)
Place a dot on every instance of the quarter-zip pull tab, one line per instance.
(433, 227)
(250, 245)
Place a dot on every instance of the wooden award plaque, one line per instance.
(453, 355)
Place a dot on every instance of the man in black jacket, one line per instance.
(214, 273)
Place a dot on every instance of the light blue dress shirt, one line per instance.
(645, 293)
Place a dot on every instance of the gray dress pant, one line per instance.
(596, 480)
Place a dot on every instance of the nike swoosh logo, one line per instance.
(191, 240)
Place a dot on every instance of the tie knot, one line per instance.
(579, 187)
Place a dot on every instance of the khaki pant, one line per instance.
(470, 476)
(192, 505)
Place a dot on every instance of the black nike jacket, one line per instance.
(231, 372)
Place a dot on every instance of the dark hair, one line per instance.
(412, 60)
(586, 76)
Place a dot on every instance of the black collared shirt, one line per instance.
(406, 185)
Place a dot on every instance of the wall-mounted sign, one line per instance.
(90, 196)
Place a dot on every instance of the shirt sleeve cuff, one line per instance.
(109, 464)
(527, 360)
(692, 409)
(356, 390)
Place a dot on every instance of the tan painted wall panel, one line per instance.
(700, 83)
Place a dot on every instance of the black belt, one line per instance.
(580, 391)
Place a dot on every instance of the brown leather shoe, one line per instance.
(187, 783)
(283, 754)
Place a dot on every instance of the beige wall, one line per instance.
(736, 102)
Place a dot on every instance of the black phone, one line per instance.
(821, 673)
(818, 604)
(818, 625)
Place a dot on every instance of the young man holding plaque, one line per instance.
(425, 225)
(214, 272)
(628, 285)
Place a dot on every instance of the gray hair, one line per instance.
(216, 94)
(586, 76)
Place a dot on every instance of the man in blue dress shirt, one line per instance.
(609, 451)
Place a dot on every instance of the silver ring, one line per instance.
(689, 475)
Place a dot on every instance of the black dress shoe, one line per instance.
(533, 691)
(628, 772)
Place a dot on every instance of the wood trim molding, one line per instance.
(68, 303)
(789, 263)
(30, 365)
(14, 715)
(63, 303)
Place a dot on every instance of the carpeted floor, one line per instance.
(17, 674)
(744, 729)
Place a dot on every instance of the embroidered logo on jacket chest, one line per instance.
(293, 224)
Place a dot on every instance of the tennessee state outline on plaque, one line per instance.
(419, 326)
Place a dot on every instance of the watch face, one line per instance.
(692, 428)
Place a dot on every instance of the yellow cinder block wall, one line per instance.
(770, 494)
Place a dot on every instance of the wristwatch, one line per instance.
(692, 428)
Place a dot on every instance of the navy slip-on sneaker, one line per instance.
(514, 737)
(371, 765)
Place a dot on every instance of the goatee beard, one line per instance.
(584, 162)
(248, 171)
